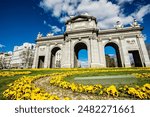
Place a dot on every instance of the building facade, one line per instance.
(5, 59)
(82, 33)
(2, 56)
(22, 56)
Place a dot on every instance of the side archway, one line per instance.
(55, 61)
(80, 55)
(112, 59)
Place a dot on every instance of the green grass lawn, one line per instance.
(108, 81)
(4, 81)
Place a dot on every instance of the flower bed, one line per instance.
(142, 75)
(24, 89)
(142, 92)
(7, 74)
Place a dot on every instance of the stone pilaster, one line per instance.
(102, 54)
(63, 56)
(35, 61)
(89, 53)
(47, 56)
(95, 57)
(143, 51)
(66, 52)
(124, 53)
(71, 54)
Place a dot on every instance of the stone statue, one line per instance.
(86, 14)
(71, 16)
(39, 35)
(49, 34)
(118, 25)
(135, 23)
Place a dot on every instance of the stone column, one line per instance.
(66, 52)
(102, 54)
(35, 61)
(95, 58)
(124, 53)
(47, 56)
(89, 52)
(142, 48)
(71, 54)
(63, 55)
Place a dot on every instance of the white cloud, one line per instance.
(106, 12)
(59, 6)
(54, 29)
(64, 19)
(101, 9)
(124, 1)
(1, 45)
(112, 55)
(145, 37)
(142, 12)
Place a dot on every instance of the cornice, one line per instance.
(81, 31)
(50, 38)
(109, 31)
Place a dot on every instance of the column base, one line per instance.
(66, 66)
(33, 66)
(46, 66)
(95, 65)
(127, 65)
(102, 65)
(147, 64)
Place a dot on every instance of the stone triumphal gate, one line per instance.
(82, 33)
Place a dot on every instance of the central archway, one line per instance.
(113, 60)
(55, 61)
(80, 55)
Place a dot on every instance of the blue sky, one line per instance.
(21, 20)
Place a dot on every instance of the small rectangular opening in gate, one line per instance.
(135, 59)
(41, 62)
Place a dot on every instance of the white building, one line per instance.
(22, 56)
(58, 59)
(5, 59)
(2, 60)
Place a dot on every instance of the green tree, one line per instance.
(110, 62)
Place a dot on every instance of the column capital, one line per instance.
(37, 45)
(139, 36)
(121, 37)
(48, 44)
(90, 37)
(67, 39)
(99, 39)
(93, 37)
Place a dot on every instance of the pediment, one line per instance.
(80, 18)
